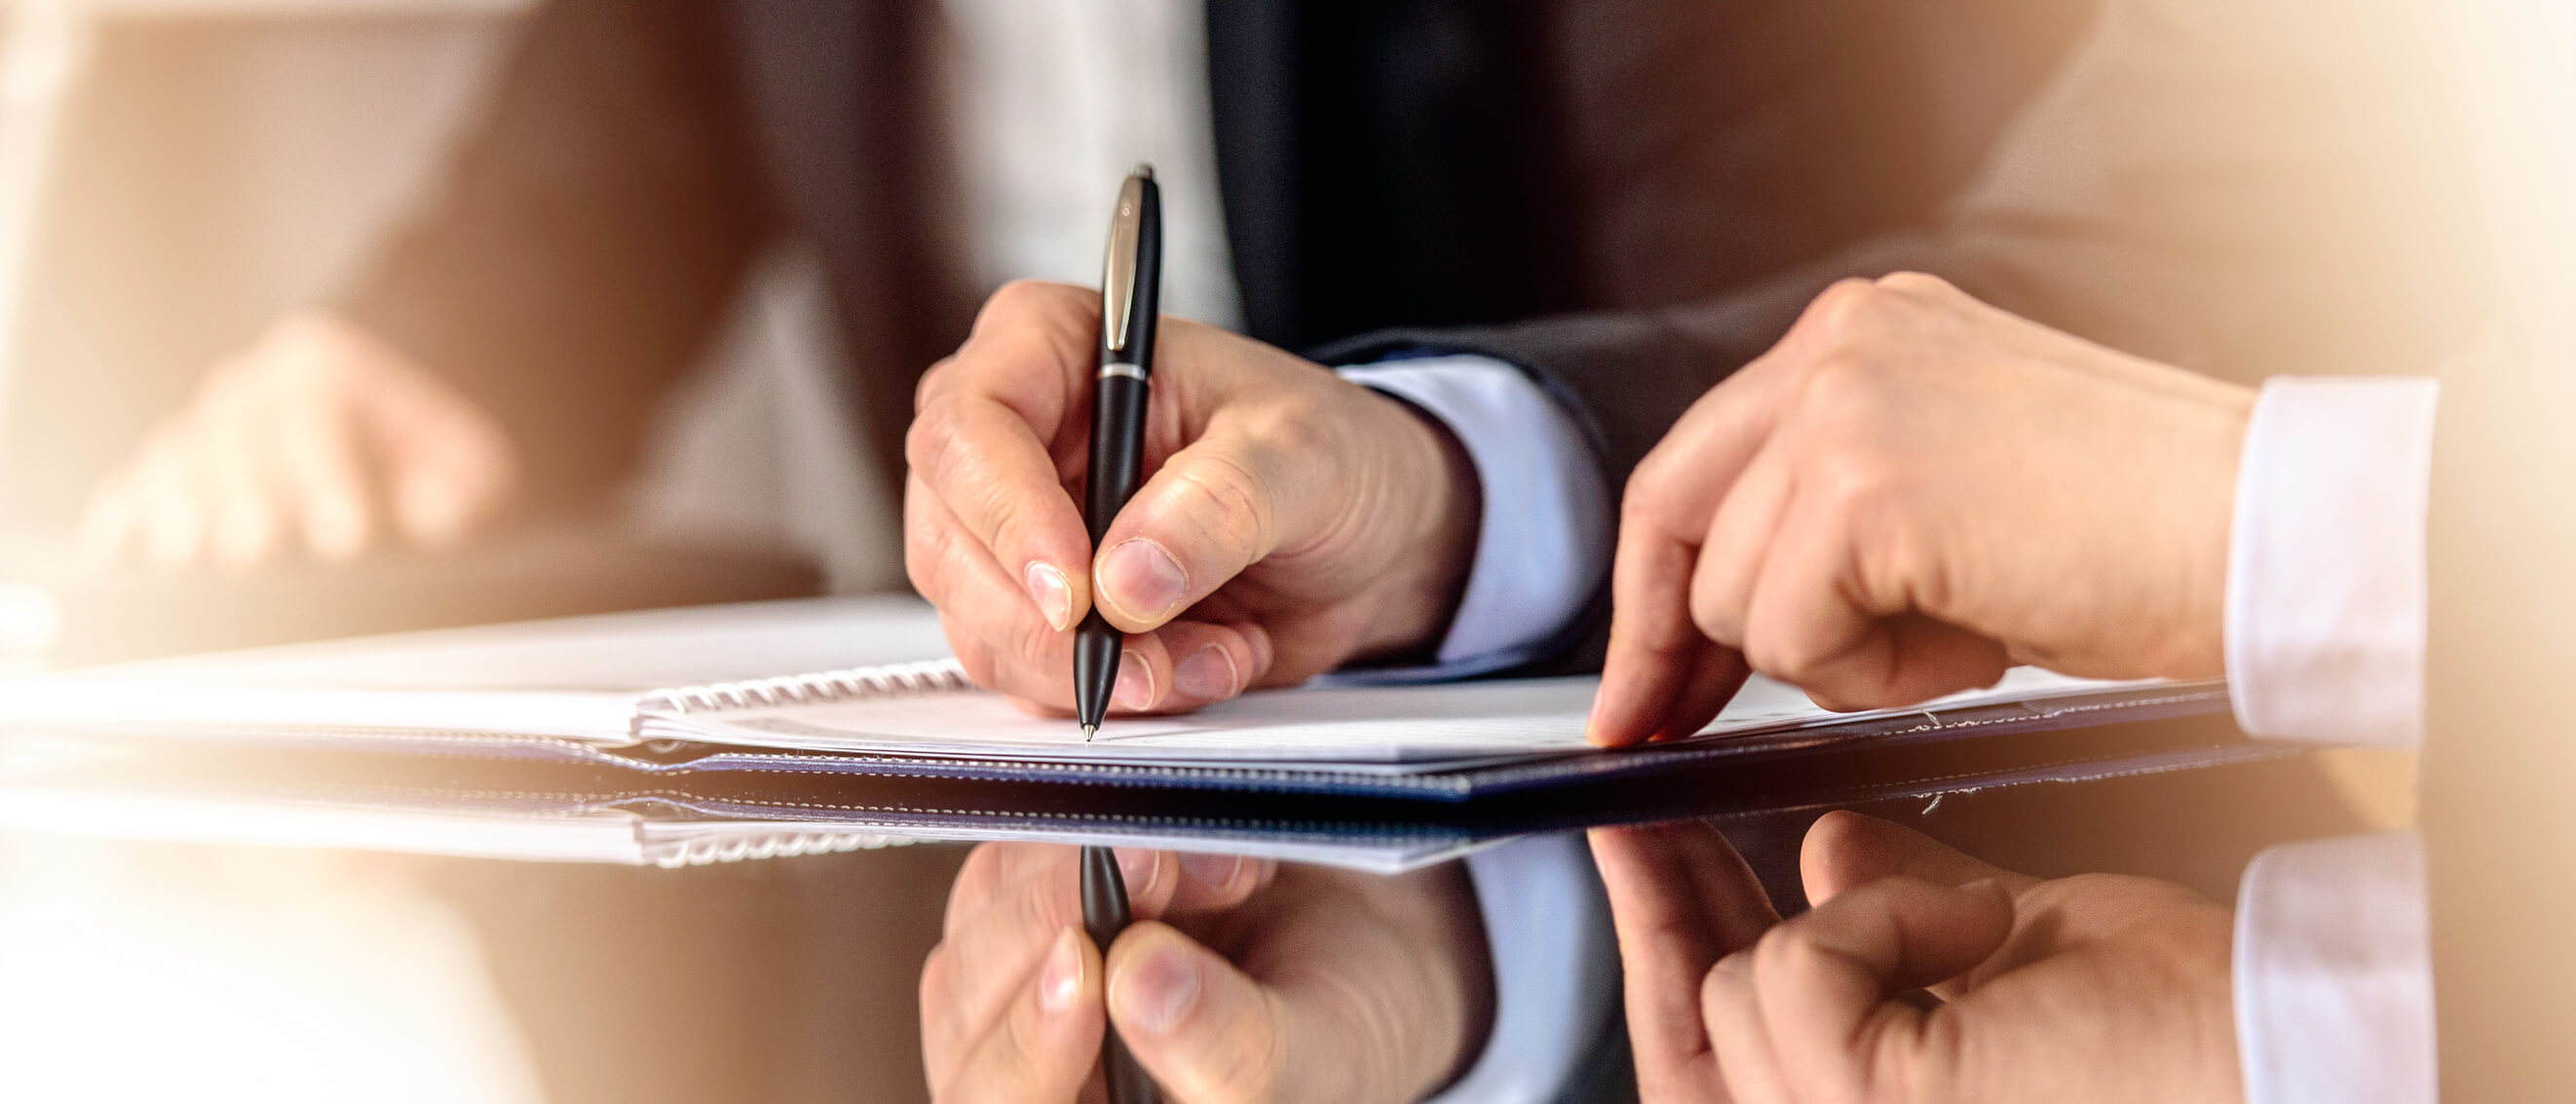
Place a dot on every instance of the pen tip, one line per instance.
(1088, 731)
(1145, 169)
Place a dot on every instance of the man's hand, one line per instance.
(1290, 521)
(317, 436)
(2094, 988)
(1910, 492)
(1241, 981)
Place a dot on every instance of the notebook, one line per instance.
(889, 691)
(669, 737)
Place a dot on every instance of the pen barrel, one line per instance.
(1117, 450)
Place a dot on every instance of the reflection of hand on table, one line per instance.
(1290, 521)
(317, 436)
(1241, 980)
(1907, 493)
(2094, 988)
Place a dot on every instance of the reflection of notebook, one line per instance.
(891, 693)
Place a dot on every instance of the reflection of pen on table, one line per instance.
(1130, 295)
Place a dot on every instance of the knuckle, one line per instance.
(1021, 298)
(1918, 283)
(1654, 491)
(922, 388)
(937, 983)
(1844, 304)
(1224, 502)
(1784, 953)
(1787, 662)
(1000, 516)
(925, 443)
(1717, 617)
(1840, 386)
(1856, 485)
(928, 547)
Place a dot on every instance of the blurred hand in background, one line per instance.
(1911, 491)
(1241, 980)
(318, 439)
(2096, 987)
(1290, 521)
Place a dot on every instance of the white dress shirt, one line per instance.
(2326, 581)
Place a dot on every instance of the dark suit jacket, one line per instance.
(1384, 162)
(1629, 198)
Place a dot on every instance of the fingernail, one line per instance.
(1062, 977)
(1054, 598)
(1207, 675)
(1212, 871)
(1135, 689)
(1142, 579)
(1137, 868)
(1159, 991)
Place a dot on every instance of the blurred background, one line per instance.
(173, 174)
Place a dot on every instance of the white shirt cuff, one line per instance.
(1555, 969)
(2334, 973)
(2326, 584)
(1544, 542)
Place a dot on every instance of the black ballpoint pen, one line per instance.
(1131, 281)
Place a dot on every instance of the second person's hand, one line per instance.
(1290, 521)
(1909, 492)
(2097, 987)
(319, 438)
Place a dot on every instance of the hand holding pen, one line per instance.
(1241, 980)
(1288, 522)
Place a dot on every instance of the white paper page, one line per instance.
(1317, 724)
(574, 677)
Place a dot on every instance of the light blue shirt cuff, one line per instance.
(1556, 969)
(1543, 544)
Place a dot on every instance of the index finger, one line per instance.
(984, 440)
(1660, 666)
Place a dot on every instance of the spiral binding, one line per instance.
(924, 677)
(775, 845)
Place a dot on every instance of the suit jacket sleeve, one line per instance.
(2205, 184)
(586, 237)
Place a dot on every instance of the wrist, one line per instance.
(1430, 569)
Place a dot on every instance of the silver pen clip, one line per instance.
(1118, 270)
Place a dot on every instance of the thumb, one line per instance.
(1213, 509)
(1198, 1025)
